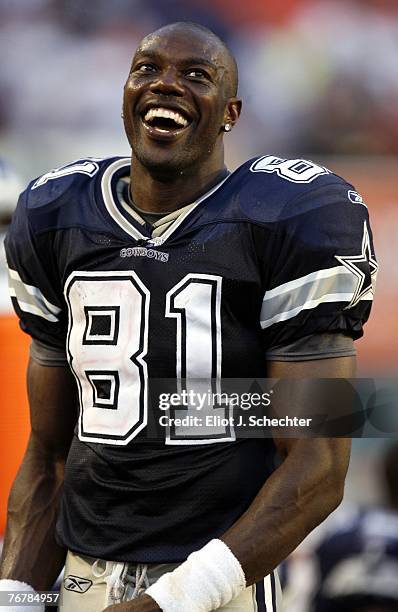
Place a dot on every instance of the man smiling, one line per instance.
(266, 271)
(179, 98)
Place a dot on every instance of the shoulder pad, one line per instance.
(52, 185)
(277, 188)
(64, 197)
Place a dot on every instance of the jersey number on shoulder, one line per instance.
(108, 343)
(294, 170)
(88, 167)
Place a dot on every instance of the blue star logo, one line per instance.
(364, 267)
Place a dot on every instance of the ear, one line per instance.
(232, 111)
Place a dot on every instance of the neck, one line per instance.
(155, 193)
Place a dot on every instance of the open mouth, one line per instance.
(163, 121)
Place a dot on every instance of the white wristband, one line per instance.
(12, 586)
(207, 580)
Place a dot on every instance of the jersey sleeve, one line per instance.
(315, 346)
(33, 284)
(319, 267)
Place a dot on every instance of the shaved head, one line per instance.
(228, 59)
(180, 100)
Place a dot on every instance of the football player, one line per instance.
(357, 559)
(168, 266)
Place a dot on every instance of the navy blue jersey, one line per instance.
(357, 561)
(279, 250)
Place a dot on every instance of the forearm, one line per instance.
(30, 552)
(298, 496)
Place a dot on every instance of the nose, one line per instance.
(167, 83)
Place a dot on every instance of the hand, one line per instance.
(141, 604)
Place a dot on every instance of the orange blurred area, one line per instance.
(257, 12)
(14, 346)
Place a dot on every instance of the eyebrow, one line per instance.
(199, 60)
(141, 53)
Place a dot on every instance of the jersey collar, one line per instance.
(123, 219)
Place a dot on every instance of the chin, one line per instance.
(170, 162)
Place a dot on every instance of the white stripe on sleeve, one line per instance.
(284, 302)
(30, 298)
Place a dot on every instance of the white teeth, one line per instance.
(164, 113)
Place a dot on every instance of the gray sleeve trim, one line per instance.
(315, 346)
(47, 355)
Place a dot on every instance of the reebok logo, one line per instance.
(355, 197)
(77, 584)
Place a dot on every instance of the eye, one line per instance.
(145, 68)
(196, 73)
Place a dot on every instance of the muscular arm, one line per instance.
(299, 495)
(30, 552)
(303, 490)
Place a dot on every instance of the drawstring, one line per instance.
(140, 579)
(115, 581)
(115, 575)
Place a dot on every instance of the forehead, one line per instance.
(181, 44)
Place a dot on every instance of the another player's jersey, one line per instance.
(279, 250)
(357, 561)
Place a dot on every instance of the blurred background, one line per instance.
(318, 79)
